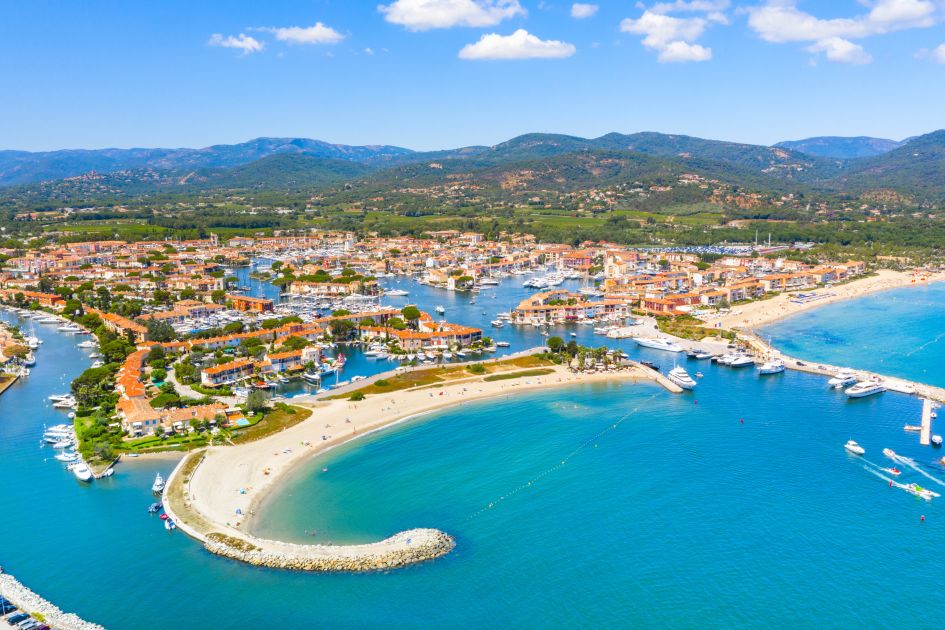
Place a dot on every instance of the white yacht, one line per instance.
(68, 402)
(158, 485)
(741, 360)
(88, 343)
(396, 293)
(29, 360)
(82, 471)
(440, 310)
(658, 343)
(681, 377)
(843, 378)
(865, 388)
(497, 323)
(854, 448)
(775, 366)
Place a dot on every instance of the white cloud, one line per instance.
(937, 54)
(581, 10)
(841, 50)
(671, 36)
(701, 6)
(317, 34)
(422, 15)
(780, 21)
(368, 51)
(519, 45)
(681, 51)
(240, 42)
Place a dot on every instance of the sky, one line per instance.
(431, 74)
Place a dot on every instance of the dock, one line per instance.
(925, 437)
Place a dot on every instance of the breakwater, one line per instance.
(31, 603)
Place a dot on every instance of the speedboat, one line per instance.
(440, 310)
(154, 508)
(396, 293)
(843, 378)
(681, 377)
(895, 472)
(67, 457)
(936, 440)
(888, 452)
(775, 366)
(59, 397)
(741, 360)
(725, 359)
(63, 444)
(158, 485)
(658, 343)
(919, 491)
(88, 343)
(502, 344)
(854, 448)
(497, 323)
(702, 355)
(865, 388)
(912, 428)
(82, 472)
(169, 525)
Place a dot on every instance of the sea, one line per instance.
(608, 504)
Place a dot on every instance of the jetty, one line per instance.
(925, 436)
(39, 608)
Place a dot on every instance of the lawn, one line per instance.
(525, 374)
(278, 419)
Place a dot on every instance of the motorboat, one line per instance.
(681, 377)
(312, 377)
(66, 403)
(440, 310)
(775, 366)
(169, 525)
(67, 457)
(919, 491)
(396, 293)
(82, 472)
(497, 323)
(888, 452)
(502, 344)
(658, 343)
(854, 448)
(865, 388)
(63, 444)
(843, 378)
(912, 428)
(154, 508)
(29, 360)
(158, 485)
(702, 355)
(725, 359)
(741, 360)
(936, 441)
(88, 343)
(895, 472)
(59, 397)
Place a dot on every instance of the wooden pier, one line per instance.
(925, 437)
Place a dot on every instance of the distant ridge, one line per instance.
(842, 147)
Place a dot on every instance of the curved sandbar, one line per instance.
(211, 495)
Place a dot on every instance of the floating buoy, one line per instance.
(922, 518)
(741, 421)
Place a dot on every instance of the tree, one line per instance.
(188, 294)
(160, 331)
(341, 328)
(294, 343)
(555, 344)
(256, 402)
(218, 296)
(411, 313)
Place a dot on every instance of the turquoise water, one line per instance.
(681, 515)
(897, 332)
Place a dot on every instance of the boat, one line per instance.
(440, 310)
(312, 377)
(843, 378)
(888, 452)
(497, 323)
(169, 525)
(502, 344)
(912, 428)
(919, 491)
(82, 472)
(29, 360)
(67, 457)
(59, 397)
(658, 343)
(771, 367)
(63, 444)
(865, 388)
(154, 508)
(892, 471)
(741, 360)
(854, 448)
(650, 365)
(681, 377)
(936, 441)
(396, 293)
(158, 485)
(88, 343)
(66, 403)
(702, 355)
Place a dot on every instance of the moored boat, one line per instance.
(158, 485)
(681, 377)
(658, 343)
(775, 366)
(82, 471)
(865, 388)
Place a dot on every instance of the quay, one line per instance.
(40, 609)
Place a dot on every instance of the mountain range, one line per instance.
(914, 168)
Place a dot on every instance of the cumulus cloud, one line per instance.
(240, 42)
(672, 37)
(422, 15)
(317, 34)
(841, 50)
(581, 10)
(937, 54)
(519, 45)
(780, 21)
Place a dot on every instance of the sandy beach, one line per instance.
(228, 485)
(763, 312)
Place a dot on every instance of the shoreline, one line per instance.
(762, 313)
(229, 483)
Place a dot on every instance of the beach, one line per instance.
(225, 488)
(762, 312)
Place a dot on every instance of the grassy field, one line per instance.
(524, 374)
(445, 374)
(280, 418)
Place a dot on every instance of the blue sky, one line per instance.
(429, 74)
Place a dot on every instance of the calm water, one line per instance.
(898, 332)
(612, 504)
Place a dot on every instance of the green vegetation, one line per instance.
(688, 327)
(524, 374)
(281, 417)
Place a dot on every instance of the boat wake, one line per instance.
(593, 440)
(908, 461)
(925, 345)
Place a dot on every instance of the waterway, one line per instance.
(608, 504)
